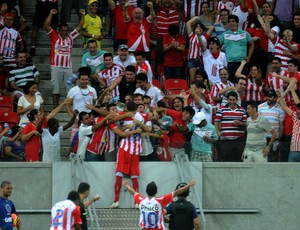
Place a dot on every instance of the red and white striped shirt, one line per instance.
(216, 88)
(280, 46)
(253, 91)
(109, 75)
(243, 14)
(164, 20)
(132, 143)
(276, 83)
(8, 41)
(61, 49)
(296, 133)
(64, 215)
(191, 8)
(194, 45)
(98, 141)
(227, 5)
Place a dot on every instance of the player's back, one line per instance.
(62, 215)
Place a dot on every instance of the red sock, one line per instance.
(135, 184)
(118, 185)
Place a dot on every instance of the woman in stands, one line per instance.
(15, 150)
(255, 85)
(31, 136)
(31, 100)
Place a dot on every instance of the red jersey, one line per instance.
(163, 149)
(64, 215)
(61, 49)
(98, 141)
(174, 57)
(151, 210)
(177, 138)
(121, 32)
(32, 148)
(288, 121)
(194, 45)
(138, 35)
(146, 67)
(165, 18)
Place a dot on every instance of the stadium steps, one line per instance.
(42, 60)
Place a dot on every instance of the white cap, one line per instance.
(200, 116)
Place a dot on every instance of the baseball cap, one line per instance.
(167, 120)
(200, 116)
(165, 127)
(271, 93)
(123, 46)
(92, 1)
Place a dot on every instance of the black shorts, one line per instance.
(42, 10)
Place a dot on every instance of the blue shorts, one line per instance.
(194, 63)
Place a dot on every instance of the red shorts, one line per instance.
(127, 163)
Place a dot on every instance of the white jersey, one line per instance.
(243, 16)
(147, 68)
(153, 92)
(212, 65)
(81, 97)
(64, 215)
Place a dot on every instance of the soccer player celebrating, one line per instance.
(151, 207)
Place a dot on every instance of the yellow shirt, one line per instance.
(93, 25)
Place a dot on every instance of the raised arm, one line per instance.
(81, 22)
(189, 24)
(265, 24)
(185, 188)
(284, 106)
(291, 87)
(127, 186)
(111, 4)
(49, 19)
(125, 12)
(152, 11)
(238, 73)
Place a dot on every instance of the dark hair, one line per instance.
(146, 97)
(28, 86)
(83, 187)
(177, 98)
(189, 109)
(14, 130)
(293, 61)
(226, 10)
(92, 41)
(81, 115)
(135, 95)
(142, 77)
(241, 78)
(161, 104)
(51, 122)
(234, 17)
(277, 58)
(107, 55)
(64, 24)
(140, 53)
(203, 3)
(151, 189)
(84, 71)
(131, 106)
(137, 105)
(214, 40)
(253, 104)
(4, 183)
(232, 94)
(130, 68)
(173, 29)
(184, 194)
(203, 27)
(73, 196)
(31, 114)
(110, 105)
(199, 84)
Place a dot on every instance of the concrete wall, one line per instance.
(271, 188)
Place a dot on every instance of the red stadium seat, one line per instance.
(176, 84)
(156, 83)
(11, 118)
(6, 104)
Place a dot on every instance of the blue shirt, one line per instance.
(7, 207)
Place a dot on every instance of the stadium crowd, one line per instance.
(216, 80)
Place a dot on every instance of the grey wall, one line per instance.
(272, 188)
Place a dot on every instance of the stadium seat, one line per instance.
(161, 76)
(6, 104)
(11, 118)
(156, 83)
(176, 84)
